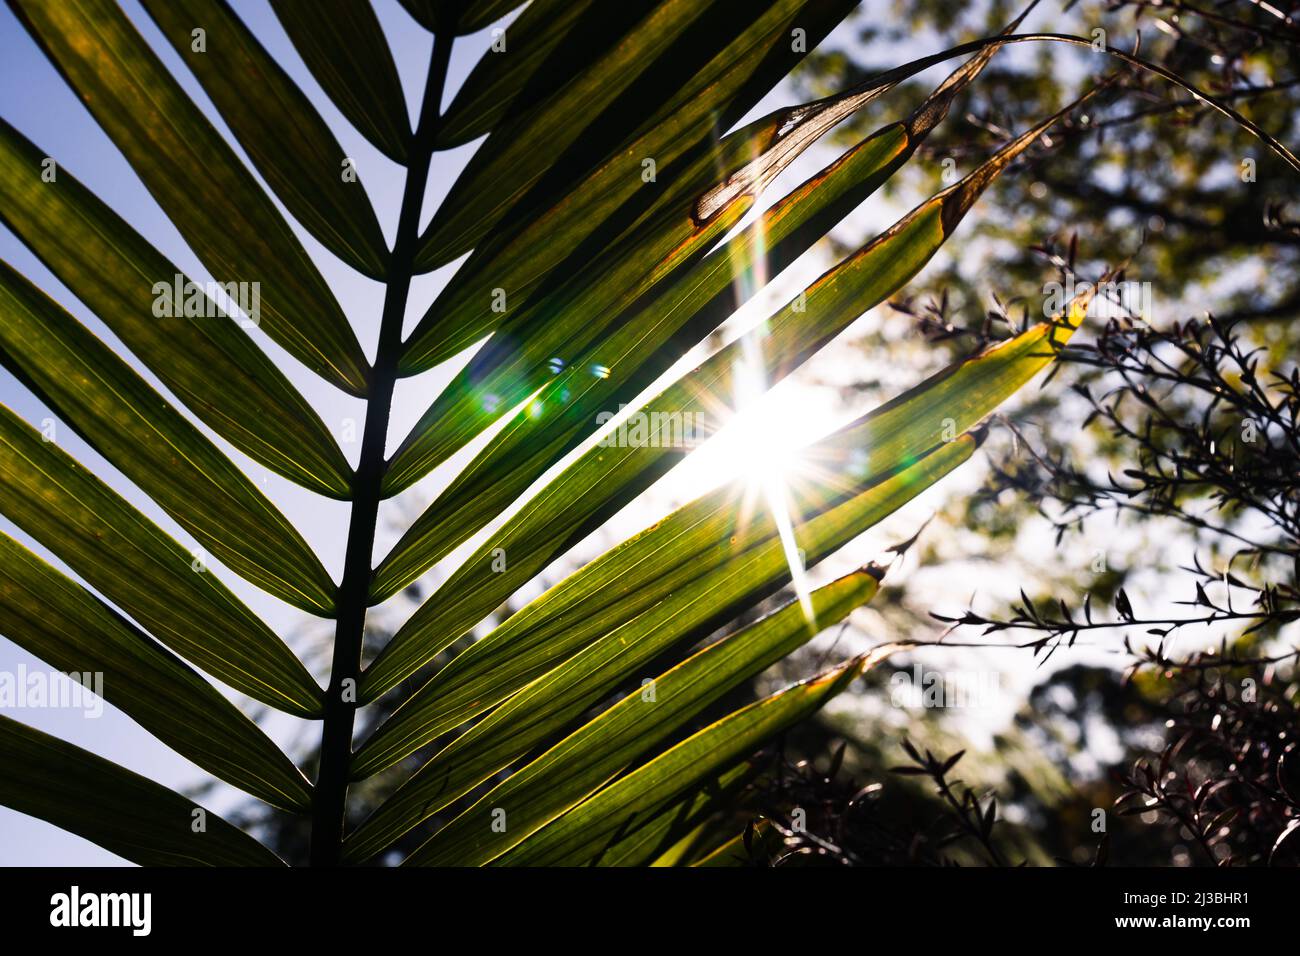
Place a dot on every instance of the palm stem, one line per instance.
(354, 592)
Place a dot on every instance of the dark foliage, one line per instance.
(1228, 779)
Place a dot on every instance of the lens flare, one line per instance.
(759, 440)
(767, 463)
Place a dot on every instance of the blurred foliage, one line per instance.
(1150, 182)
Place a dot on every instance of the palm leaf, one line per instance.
(224, 378)
(130, 561)
(616, 264)
(195, 176)
(126, 421)
(63, 624)
(347, 54)
(121, 811)
(604, 479)
(286, 139)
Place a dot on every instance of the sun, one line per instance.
(760, 446)
(763, 430)
(761, 434)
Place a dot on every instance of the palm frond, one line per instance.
(607, 227)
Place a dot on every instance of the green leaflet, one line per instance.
(565, 227)
(128, 423)
(579, 834)
(548, 45)
(215, 203)
(681, 578)
(519, 153)
(279, 128)
(348, 55)
(458, 16)
(605, 745)
(647, 840)
(949, 399)
(121, 811)
(129, 560)
(64, 625)
(216, 369)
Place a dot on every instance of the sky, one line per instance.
(37, 101)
